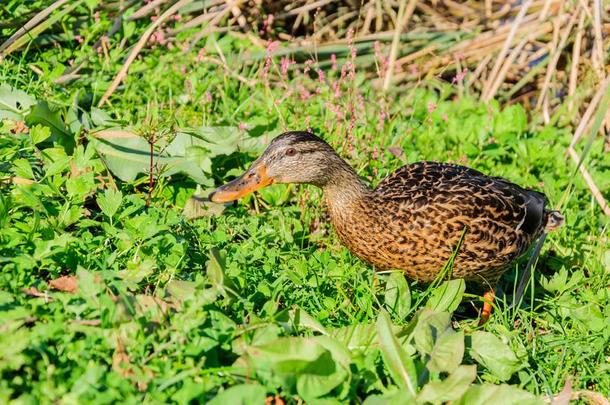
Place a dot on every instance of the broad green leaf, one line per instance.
(276, 194)
(399, 363)
(495, 355)
(449, 389)
(14, 104)
(357, 336)
(301, 319)
(127, 155)
(447, 296)
(502, 394)
(397, 295)
(42, 114)
(243, 394)
(309, 367)
(110, 201)
(216, 272)
(430, 325)
(181, 289)
(39, 133)
(23, 168)
(448, 352)
(394, 397)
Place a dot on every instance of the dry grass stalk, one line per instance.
(599, 197)
(138, 47)
(500, 59)
(404, 15)
(37, 19)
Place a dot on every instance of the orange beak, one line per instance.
(252, 180)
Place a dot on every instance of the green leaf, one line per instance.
(399, 363)
(14, 104)
(449, 389)
(430, 325)
(39, 133)
(243, 394)
(397, 295)
(395, 397)
(502, 394)
(110, 201)
(127, 155)
(216, 272)
(23, 168)
(495, 355)
(447, 296)
(309, 367)
(42, 114)
(448, 352)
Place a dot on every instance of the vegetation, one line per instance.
(121, 283)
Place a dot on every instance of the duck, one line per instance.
(418, 218)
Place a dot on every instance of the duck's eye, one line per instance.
(291, 152)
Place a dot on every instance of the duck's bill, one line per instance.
(253, 179)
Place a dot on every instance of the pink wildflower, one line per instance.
(271, 46)
(200, 55)
(153, 18)
(177, 17)
(208, 96)
(242, 126)
(79, 39)
(444, 117)
(285, 63)
(96, 16)
(460, 76)
(382, 60)
(333, 61)
(431, 106)
(413, 69)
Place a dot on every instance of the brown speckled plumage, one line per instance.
(415, 218)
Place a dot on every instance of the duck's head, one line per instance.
(292, 157)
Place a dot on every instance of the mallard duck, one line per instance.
(417, 218)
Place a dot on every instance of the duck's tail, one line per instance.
(552, 220)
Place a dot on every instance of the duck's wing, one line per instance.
(465, 191)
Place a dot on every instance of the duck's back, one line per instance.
(425, 211)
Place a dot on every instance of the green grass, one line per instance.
(263, 297)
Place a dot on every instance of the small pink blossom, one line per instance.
(333, 61)
(79, 39)
(431, 106)
(444, 117)
(460, 76)
(208, 96)
(413, 69)
(153, 18)
(304, 93)
(285, 63)
(242, 126)
(200, 55)
(375, 153)
(177, 17)
(382, 67)
(183, 69)
(271, 46)
(96, 16)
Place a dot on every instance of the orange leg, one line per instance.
(488, 300)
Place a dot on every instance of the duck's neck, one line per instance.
(345, 190)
